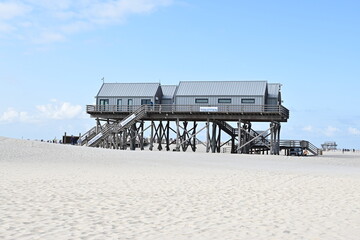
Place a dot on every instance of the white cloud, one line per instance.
(60, 110)
(308, 128)
(51, 4)
(9, 10)
(11, 115)
(116, 11)
(53, 111)
(353, 131)
(66, 17)
(75, 27)
(49, 37)
(330, 131)
(6, 27)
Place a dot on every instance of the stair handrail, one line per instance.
(298, 144)
(103, 133)
(138, 113)
(87, 134)
(107, 128)
(313, 148)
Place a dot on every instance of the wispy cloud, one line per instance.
(60, 110)
(11, 115)
(47, 21)
(353, 131)
(330, 131)
(49, 37)
(11, 16)
(10, 10)
(55, 110)
(308, 128)
(327, 131)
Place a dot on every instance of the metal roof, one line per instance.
(168, 91)
(221, 88)
(273, 90)
(128, 89)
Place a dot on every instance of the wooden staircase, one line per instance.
(259, 142)
(288, 144)
(93, 138)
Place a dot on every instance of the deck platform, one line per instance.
(252, 113)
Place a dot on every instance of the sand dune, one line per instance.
(50, 191)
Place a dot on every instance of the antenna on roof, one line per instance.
(103, 79)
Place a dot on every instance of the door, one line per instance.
(130, 105)
(104, 104)
(119, 105)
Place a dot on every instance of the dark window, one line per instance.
(201, 100)
(145, 101)
(248, 100)
(129, 106)
(104, 101)
(119, 103)
(104, 104)
(224, 100)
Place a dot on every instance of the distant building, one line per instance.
(327, 146)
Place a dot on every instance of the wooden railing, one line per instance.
(300, 144)
(163, 108)
(94, 139)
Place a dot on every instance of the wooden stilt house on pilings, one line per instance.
(216, 109)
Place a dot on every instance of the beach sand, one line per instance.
(52, 191)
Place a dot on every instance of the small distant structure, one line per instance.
(327, 146)
(73, 140)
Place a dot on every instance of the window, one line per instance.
(104, 101)
(201, 100)
(104, 104)
(145, 101)
(119, 103)
(248, 100)
(130, 103)
(224, 100)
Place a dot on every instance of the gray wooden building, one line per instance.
(168, 94)
(197, 93)
(221, 93)
(123, 109)
(124, 97)
(273, 94)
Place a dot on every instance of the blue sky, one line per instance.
(53, 55)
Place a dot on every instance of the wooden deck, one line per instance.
(255, 113)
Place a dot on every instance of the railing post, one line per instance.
(152, 136)
(177, 135)
(239, 137)
(207, 136)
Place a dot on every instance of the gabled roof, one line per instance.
(168, 91)
(221, 88)
(273, 90)
(128, 89)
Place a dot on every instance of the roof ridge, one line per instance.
(136, 83)
(225, 81)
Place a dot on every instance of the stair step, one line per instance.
(126, 122)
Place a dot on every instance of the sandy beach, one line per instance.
(53, 191)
